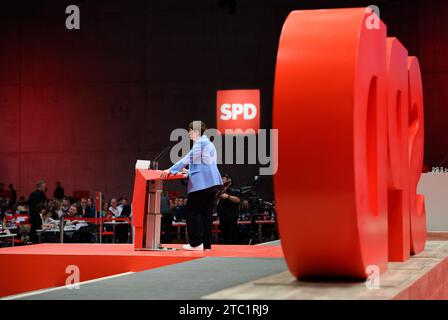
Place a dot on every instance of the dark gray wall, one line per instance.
(82, 106)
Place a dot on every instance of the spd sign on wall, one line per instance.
(238, 109)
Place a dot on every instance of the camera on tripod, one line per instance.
(259, 209)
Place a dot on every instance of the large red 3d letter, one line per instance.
(415, 134)
(348, 163)
(398, 168)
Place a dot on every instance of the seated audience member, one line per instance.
(22, 207)
(167, 219)
(46, 220)
(72, 213)
(105, 211)
(122, 203)
(65, 206)
(113, 209)
(90, 203)
(122, 230)
(85, 234)
(181, 209)
(174, 206)
(56, 211)
(85, 211)
(176, 209)
(245, 210)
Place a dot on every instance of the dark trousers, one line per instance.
(229, 229)
(167, 227)
(36, 223)
(199, 211)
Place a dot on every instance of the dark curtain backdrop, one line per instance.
(81, 106)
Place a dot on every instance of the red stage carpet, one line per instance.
(42, 266)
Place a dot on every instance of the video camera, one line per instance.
(259, 209)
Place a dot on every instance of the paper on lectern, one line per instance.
(142, 164)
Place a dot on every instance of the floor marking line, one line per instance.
(40, 291)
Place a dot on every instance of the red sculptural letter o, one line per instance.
(347, 159)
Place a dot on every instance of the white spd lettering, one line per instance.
(234, 110)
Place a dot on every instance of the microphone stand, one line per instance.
(155, 162)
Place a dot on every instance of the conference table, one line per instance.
(8, 235)
(67, 229)
(113, 222)
(180, 227)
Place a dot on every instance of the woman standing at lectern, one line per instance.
(204, 183)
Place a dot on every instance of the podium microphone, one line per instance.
(155, 161)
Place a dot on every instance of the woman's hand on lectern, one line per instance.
(165, 174)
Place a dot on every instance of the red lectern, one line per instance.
(148, 189)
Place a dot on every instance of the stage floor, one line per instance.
(29, 268)
(227, 272)
(423, 276)
(235, 251)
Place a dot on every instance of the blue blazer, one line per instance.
(203, 172)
